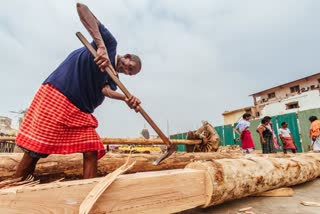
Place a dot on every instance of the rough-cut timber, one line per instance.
(148, 192)
(238, 178)
(203, 183)
(141, 141)
(70, 166)
(136, 141)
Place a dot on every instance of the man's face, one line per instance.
(285, 125)
(127, 66)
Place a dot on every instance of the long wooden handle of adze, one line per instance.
(110, 71)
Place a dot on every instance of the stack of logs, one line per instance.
(203, 183)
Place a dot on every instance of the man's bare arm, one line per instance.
(133, 102)
(90, 22)
(108, 92)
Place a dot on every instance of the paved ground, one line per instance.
(271, 205)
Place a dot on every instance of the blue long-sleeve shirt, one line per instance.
(80, 79)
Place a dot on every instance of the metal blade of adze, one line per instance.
(110, 70)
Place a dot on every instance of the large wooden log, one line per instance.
(200, 184)
(70, 166)
(136, 141)
(233, 179)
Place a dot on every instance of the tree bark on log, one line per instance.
(70, 166)
(233, 179)
(199, 184)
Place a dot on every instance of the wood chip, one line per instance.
(281, 192)
(105, 182)
(310, 203)
(245, 209)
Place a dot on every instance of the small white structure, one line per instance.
(5, 127)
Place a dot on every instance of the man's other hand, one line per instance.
(102, 59)
(133, 103)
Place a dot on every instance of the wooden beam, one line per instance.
(141, 141)
(7, 139)
(70, 166)
(138, 141)
(149, 192)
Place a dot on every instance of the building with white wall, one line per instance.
(294, 96)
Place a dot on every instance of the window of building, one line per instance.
(294, 89)
(313, 87)
(292, 105)
(272, 95)
(318, 80)
(257, 114)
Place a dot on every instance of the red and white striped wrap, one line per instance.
(54, 125)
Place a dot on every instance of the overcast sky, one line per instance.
(200, 57)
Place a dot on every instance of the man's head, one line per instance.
(312, 118)
(268, 119)
(284, 125)
(128, 64)
(246, 116)
(264, 121)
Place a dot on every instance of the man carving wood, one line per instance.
(59, 120)
(209, 136)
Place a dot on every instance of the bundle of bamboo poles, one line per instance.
(201, 183)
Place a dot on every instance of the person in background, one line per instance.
(286, 138)
(270, 127)
(209, 136)
(266, 137)
(242, 129)
(315, 133)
